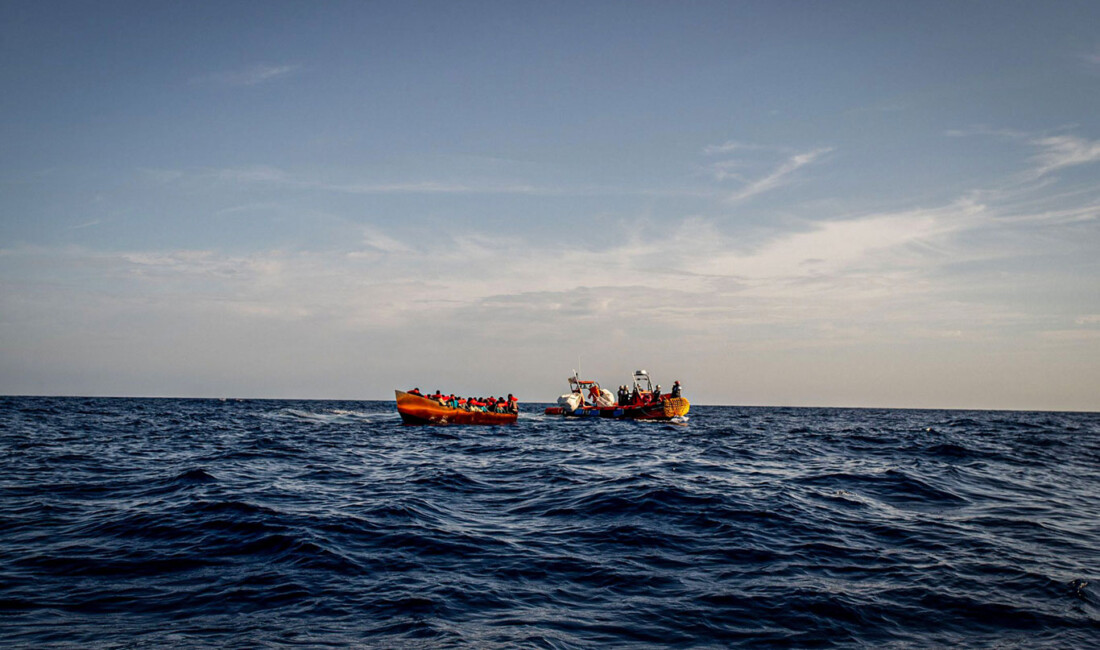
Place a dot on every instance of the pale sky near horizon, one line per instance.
(889, 204)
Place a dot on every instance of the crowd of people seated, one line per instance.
(484, 404)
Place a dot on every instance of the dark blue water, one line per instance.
(199, 523)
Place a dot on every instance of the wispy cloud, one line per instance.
(1059, 152)
(690, 280)
(743, 162)
(376, 240)
(986, 130)
(830, 250)
(275, 176)
(346, 183)
(250, 76)
(778, 176)
(1055, 152)
(436, 187)
(1071, 336)
(732, 145)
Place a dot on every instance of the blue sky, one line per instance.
(777, 203)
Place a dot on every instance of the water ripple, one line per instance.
(208, 523)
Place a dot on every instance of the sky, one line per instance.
(866, 204)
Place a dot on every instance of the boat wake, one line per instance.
(327, 416)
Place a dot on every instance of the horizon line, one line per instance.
(694, 405)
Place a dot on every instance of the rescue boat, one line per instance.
(587, 399)
(417, 409)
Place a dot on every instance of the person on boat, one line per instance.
(675, 388)
(635, 397)
(416, 391)
(462, 402)
(513, 403)
(657, 394)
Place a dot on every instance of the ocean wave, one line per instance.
(200, 523)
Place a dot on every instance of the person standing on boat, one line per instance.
(676, 388)
(513, 403)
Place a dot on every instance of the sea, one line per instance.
(164, 523)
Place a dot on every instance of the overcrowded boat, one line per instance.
(416, 408)
(642, 401)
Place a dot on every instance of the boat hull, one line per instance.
(415, 409)
(665, 410)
